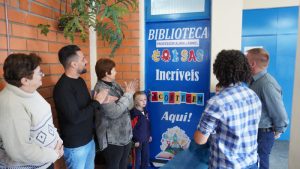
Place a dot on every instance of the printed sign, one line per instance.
(177, 81)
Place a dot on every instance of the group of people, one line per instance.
(246, 115)
(28, 137)
(241, 121)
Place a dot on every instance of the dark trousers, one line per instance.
(116, 157)
(142, 156)
(51, 166)
(265, 143)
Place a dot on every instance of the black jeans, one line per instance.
(116, 157)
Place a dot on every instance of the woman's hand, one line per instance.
(59, 148)
(131, 86)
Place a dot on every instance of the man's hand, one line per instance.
(110, 99)
(59, 148)
(200, 138)
(277, 135)
(101, 96)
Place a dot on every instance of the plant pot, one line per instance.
(63, 21)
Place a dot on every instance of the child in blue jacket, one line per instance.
(141, 131)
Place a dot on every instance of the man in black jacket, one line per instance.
(75, 109)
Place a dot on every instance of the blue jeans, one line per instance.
(254, 166)
(265, 141)
(142, 156)
(80, 157)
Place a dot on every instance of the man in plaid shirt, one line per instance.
(231, 117)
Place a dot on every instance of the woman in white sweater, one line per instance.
(28, 138)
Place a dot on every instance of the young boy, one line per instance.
(141, 131)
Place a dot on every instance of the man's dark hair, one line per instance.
(19, 65)
(104, 65)
(66, 53)
(231, 67)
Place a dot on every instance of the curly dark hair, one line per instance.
(231, 67)
(104, 66)
(19, 65)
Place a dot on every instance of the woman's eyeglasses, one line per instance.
(41, 73)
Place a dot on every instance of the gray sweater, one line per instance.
(273, 111)
(113, 125)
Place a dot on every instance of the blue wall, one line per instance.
(275, 30)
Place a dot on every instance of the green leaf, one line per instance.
(104, 16)
(44, 28)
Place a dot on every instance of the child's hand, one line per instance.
(150, 139)
(136, 144)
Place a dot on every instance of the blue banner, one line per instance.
(178, 80)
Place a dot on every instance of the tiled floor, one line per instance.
(278, 158)
(279, 155)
